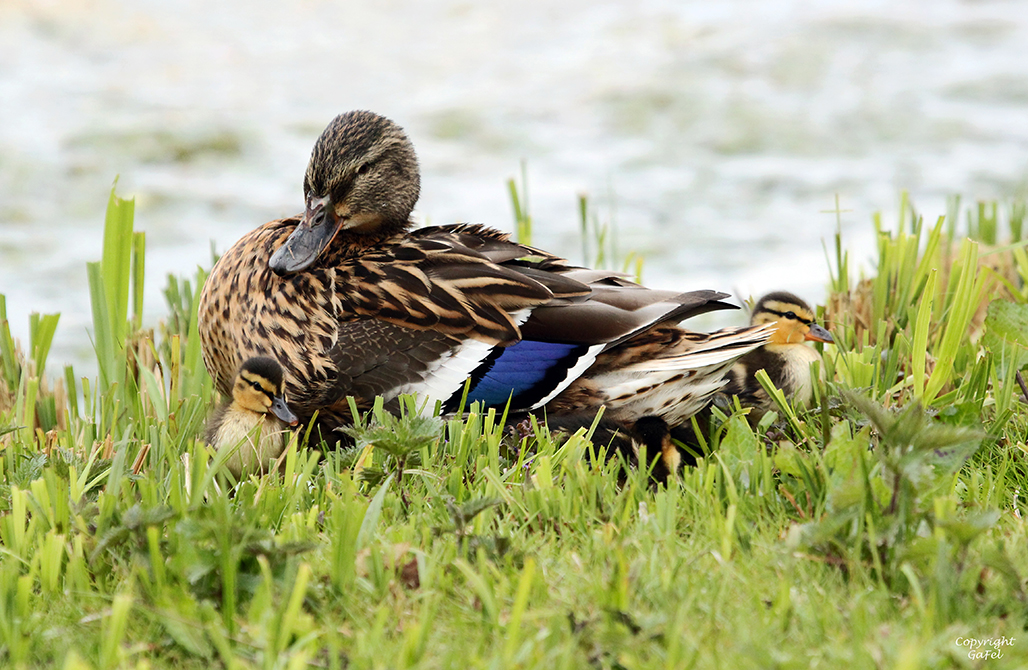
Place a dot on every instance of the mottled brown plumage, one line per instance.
(352, 303)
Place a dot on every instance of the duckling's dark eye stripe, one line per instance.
(790, 315)
(259, 387)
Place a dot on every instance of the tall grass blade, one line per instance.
(115, 264)
(371, 516)
(919, 348)
(8, 351)
(138, 277)
(519, 200)
(104, 338)
(966, 298)
(41, 334)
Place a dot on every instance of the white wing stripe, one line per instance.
(574, 373)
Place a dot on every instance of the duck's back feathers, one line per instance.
(461, 279)
(615, 311)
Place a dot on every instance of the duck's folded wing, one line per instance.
(615, 313)
(377, 358)
(440, 283)
(586, 306)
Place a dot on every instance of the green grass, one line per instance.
(874, 531)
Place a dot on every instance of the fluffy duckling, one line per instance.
(257, 400)
(649, 433)
(785, 359)
(631, 438)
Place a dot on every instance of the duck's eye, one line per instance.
(364, 168)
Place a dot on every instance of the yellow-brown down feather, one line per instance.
(786, 358)
(248, 424)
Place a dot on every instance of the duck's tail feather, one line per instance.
(677, 383)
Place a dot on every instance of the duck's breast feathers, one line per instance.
(247, 310)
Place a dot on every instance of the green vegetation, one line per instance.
(882, 529)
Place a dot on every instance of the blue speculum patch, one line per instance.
(532, 368)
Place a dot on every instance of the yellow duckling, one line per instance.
(257, 400)
(785, 358)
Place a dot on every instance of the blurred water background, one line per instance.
(714, 135)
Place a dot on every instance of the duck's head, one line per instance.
(794, 317)
(362, 178)
(258, 388)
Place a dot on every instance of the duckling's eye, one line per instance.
(257, 386)
(790, 315)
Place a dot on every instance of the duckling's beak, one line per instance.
(280, 409)
(315, 231)
(819, 334)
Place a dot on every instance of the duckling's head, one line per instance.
(794, 317)
(362, 178)
(258, 388)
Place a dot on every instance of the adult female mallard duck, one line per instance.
(354, 303)
(257, 400)
(785, 358)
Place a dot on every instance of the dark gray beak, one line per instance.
(280, 409)
(819, 334)
(315, 231)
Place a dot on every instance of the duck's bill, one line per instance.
(819, 334)
(314, 232)
(280, 409)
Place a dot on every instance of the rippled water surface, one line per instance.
(714, 135)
